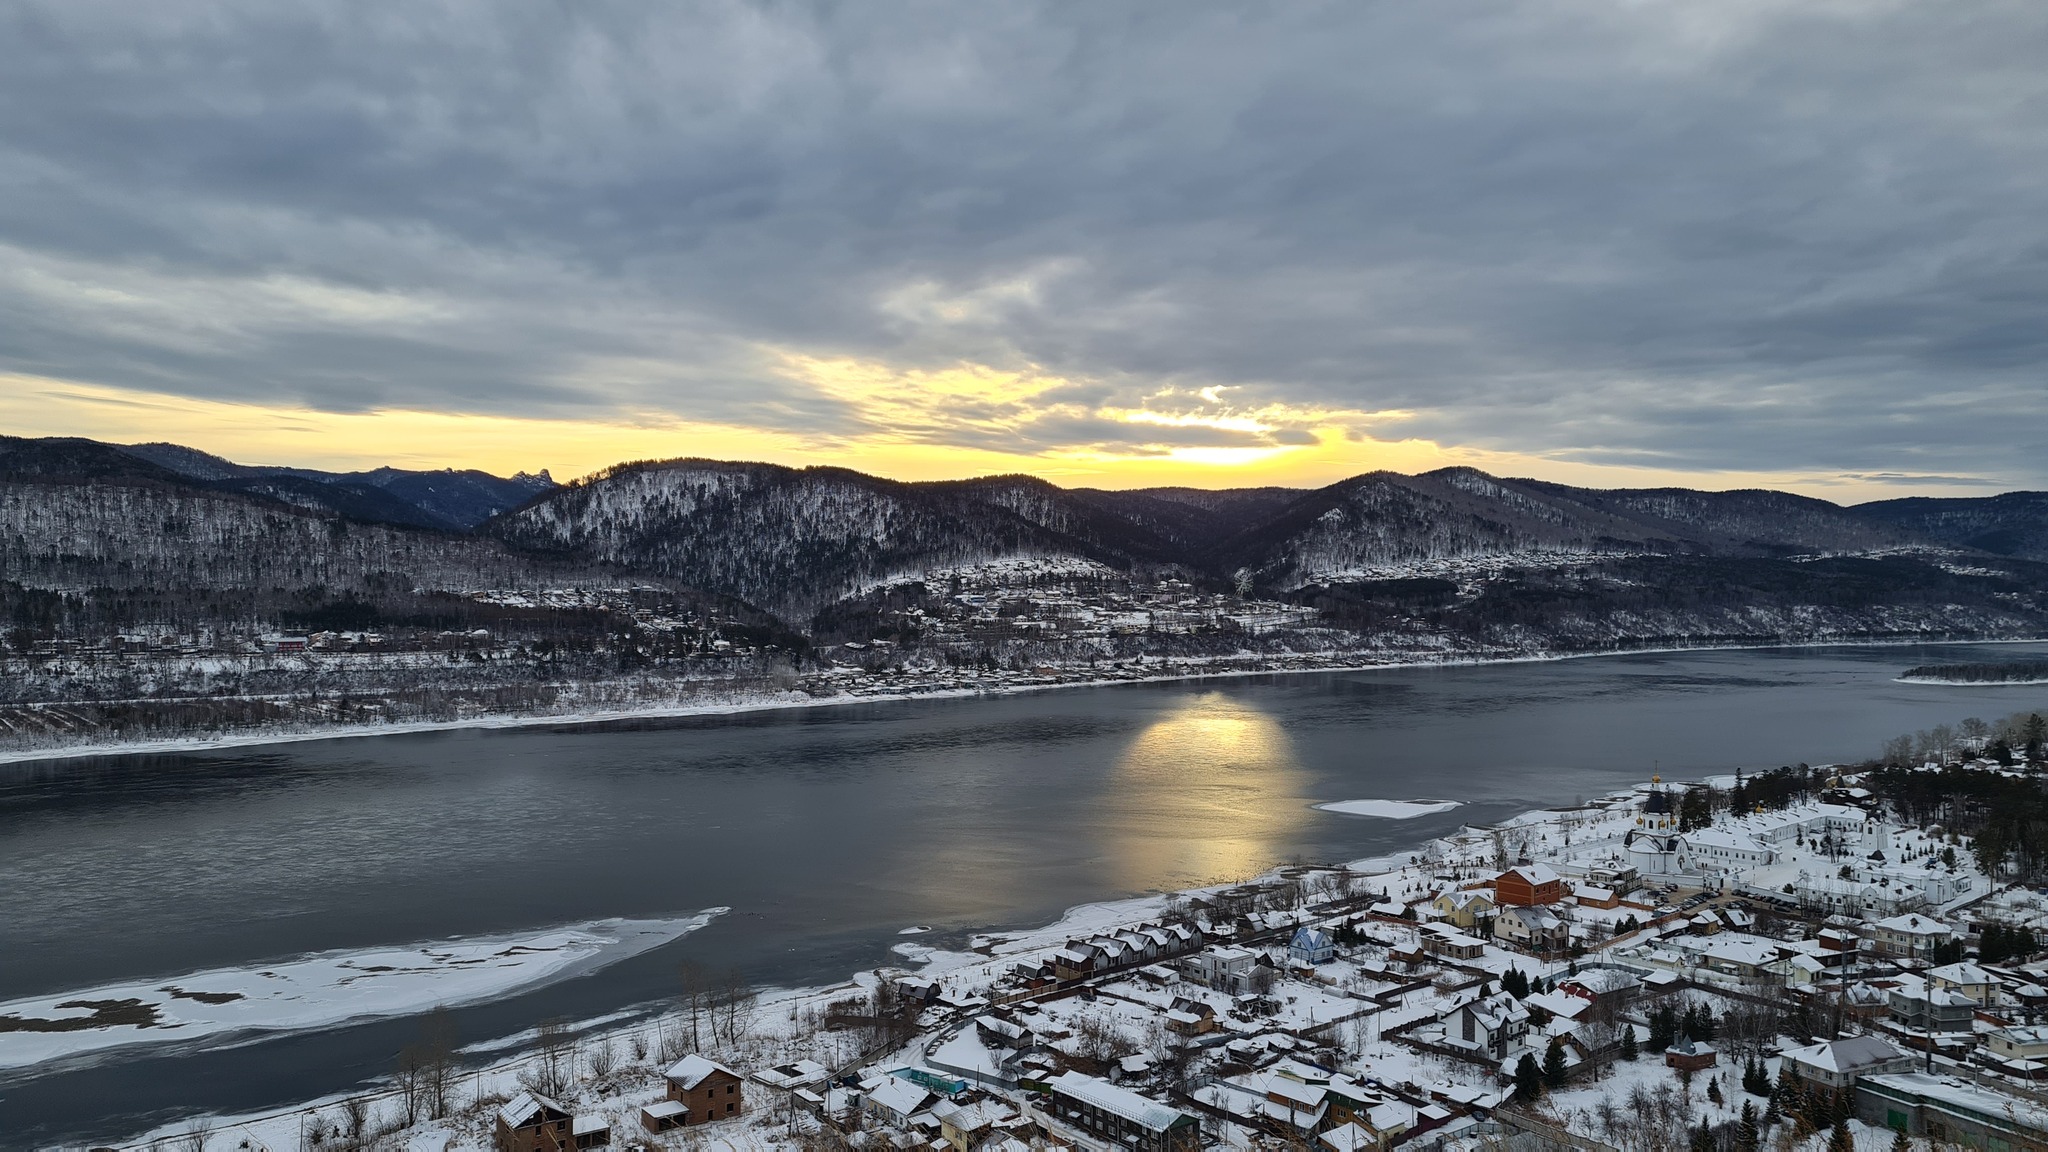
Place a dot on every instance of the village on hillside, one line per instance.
(1779, 960)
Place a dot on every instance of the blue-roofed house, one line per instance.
(1311, 946)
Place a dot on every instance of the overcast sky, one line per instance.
(1803, 243)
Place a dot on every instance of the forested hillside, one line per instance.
(447, 498)
(795, 540)
(155, 589)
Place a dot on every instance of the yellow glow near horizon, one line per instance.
(917, 426)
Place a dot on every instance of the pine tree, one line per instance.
(1628, 1042)
(1839, 1140)
(1748, 1137)
(1528, 1079)
(1553, 1063)
(1663, 1027)
(1991, 945)
(1702, 1139)
(1714, 1090)
(1900, 1141)
(1786, 1096)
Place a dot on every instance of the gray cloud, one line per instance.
(1794, 237)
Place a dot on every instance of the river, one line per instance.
(826, 831)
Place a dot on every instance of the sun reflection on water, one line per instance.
(1210, 793)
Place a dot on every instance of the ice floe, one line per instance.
(1389, 809)
(319, 991)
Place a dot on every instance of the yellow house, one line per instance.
(1465, 907)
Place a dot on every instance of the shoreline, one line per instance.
(256, 739)
(988, 946)
(1939, 683)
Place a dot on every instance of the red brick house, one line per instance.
(1686, 1056)
(707, 1090)
(1528, 885)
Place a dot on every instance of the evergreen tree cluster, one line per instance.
(1696, 808)
(1528, 1079)
(1777, 788)
(2006, 817)
(1693, 1020)
(1516, 983)
(1999, 943)
(1554, 1067)
(1756, 1079)
(1813, 1108)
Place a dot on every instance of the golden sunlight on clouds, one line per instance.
(965, 421)
(1069, 425)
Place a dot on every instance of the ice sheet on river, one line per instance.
(320, 990)
(1390, 809)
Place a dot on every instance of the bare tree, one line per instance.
(734, 1000)
(412, 1080)
(672, 1044)
(698, 988)
(426, 1068)
(1600, 1031)
(195, 1136)
(554, 1064)
(356, 1112)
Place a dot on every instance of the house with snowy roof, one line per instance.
(1911, 935)
(1187, 1016)
(967, 1125)
(1463, 908)
(706, 1089)
(1533, 929)
(1592, 984)
(1836, 1064)
(1124, 1118)
(1493, 1025)
(1526, 885)
(1966, 980)
(1224, 968)
(893, 1100)
(1918, 1007)
(1311, 946)
(1446, 942)
(2015, 1044)
(530, 1122)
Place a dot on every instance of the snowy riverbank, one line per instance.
(747, 702)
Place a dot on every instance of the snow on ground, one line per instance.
(320, 990)
(1389, 809)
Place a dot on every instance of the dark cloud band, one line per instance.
(1774, 237)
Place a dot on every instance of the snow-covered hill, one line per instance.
(794, 540)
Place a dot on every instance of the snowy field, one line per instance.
(318, 991)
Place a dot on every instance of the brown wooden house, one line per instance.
(532, 1123)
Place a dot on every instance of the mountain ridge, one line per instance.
(458, 499)
(793, 540)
